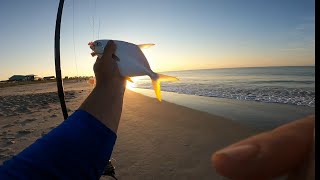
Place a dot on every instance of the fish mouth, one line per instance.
(91, 44)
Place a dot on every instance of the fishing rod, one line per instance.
(109, 170)
(57, 61)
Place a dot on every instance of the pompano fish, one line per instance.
(132, 62)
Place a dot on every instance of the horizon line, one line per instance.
(212, 68)
(236, 68)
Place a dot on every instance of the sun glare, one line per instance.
(130, 85)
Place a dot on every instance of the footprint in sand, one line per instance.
(8, 125)
(5, 150)
(5, 132)
(11, 142)
(9, 137)
(6, 153)
(24, 132)
(5, 156)
(24, 138)
(18, 134)
(27, 121)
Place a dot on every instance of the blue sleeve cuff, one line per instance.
(79, 148)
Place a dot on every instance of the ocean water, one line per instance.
(284, 85)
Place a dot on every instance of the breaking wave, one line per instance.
(285, 85)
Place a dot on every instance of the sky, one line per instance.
(189, 34)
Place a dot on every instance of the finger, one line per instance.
(116, 70)
(106, 61)
(267, 155)
(306, 170)
(109, 49)
(115, 57)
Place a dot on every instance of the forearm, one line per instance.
(105, 103)
(79, 148)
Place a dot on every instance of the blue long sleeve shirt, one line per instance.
(79, 148)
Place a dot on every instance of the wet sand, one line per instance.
(259, 115)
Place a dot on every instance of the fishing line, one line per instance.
(99, 28)
(90, 27)
(109, 169)
(93, 18)
(73, 40)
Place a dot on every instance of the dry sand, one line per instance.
(155, 140)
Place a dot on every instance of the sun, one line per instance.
(130, 85)
(133, 85)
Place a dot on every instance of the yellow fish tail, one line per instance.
(157, 86)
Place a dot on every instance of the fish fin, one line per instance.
(157, 86)
(129, 79)
(92, 81)
(144, 46)
(163, 77)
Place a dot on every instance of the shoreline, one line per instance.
(258, 115)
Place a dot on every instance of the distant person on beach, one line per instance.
(80, 147)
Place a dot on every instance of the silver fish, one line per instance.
(132, 62)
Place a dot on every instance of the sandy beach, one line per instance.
(258, 115)
(155, 140)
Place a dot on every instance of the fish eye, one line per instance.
(98, 43)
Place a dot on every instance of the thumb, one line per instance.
(269, 154)
(109, 49)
